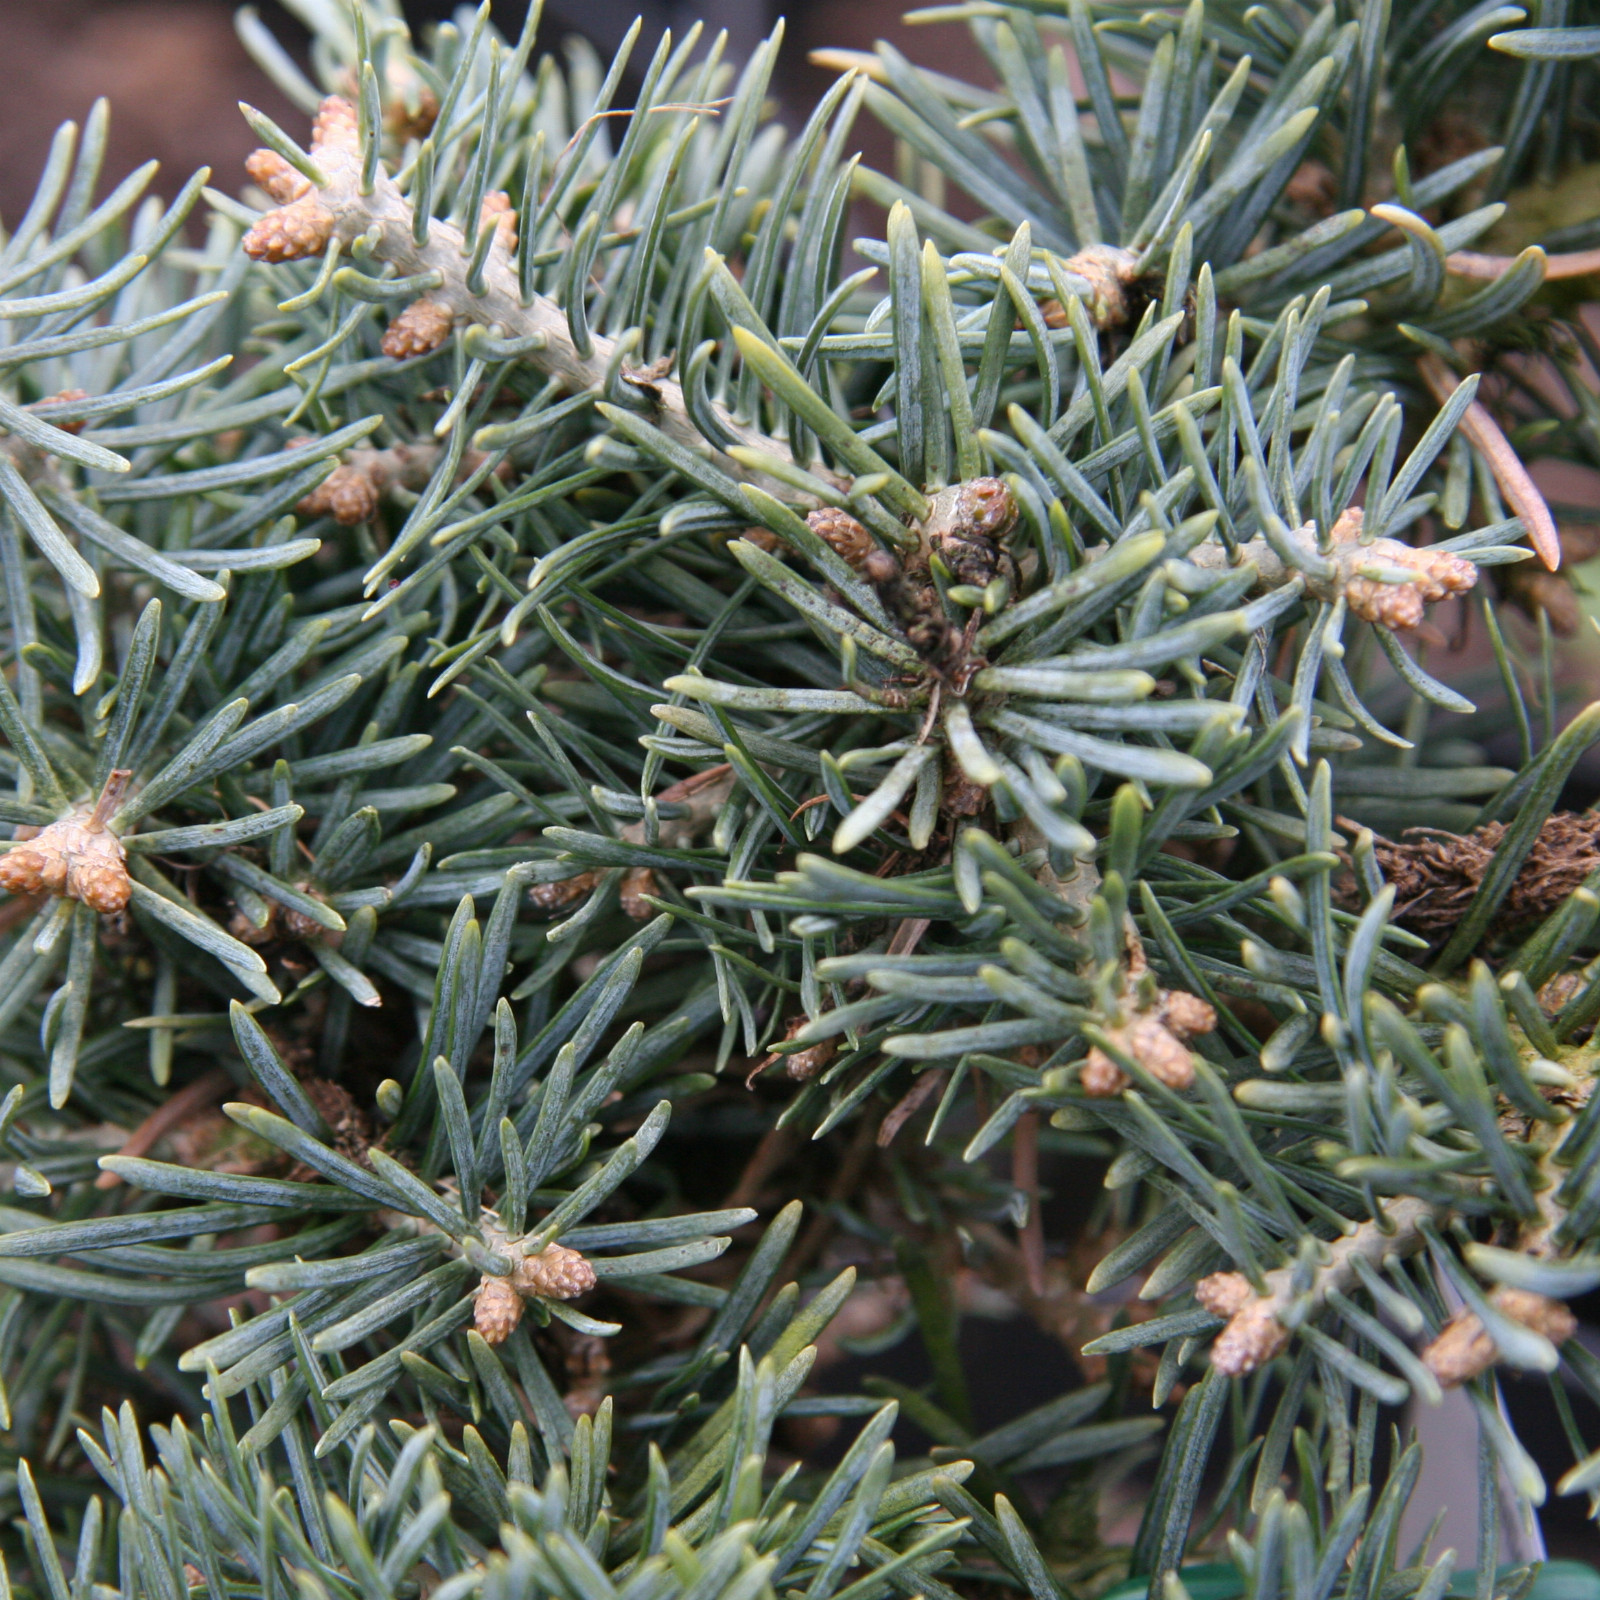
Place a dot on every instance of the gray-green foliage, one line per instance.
(462, 834)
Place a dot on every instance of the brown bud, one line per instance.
(1462, 1351)
(1101, 1076)
(1148, 1041)
(291, 233)
(1439, 574)
(879, 566)
(1252, 1338)
(283, 182)
(1464, 1348)
(77, 858)
(1347, 525)
(804, 1064)
(498, 1310)
(335, 127)
(347, 494)
(1187, 1014)
(497, 205)
(65, 397)
(638, 882)
(1392, 605)
(554, 896)
(247, 930)
(965, 526)
(1552, 1318)
(556, 1273)
(1224, 1294)
(842, 534)
(299, 926)
(1109, 271)
(424, 325)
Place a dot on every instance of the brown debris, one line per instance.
(1156, 1040)
(349, 1124)
(909, 596)
(1435, 874)
(175, 1110)
(1533, 590)
(801, 1065)
(76, 858)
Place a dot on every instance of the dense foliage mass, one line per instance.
(507, 638)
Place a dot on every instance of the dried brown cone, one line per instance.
(424, 325)
(556, 1273)
(77, 858)
(498, 1309)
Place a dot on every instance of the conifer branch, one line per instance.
(384, 223)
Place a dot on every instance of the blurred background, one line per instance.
(174, 70)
